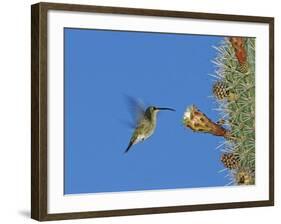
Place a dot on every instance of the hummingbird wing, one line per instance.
(137, 109)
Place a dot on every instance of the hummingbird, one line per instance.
(146, 124)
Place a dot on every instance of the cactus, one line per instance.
(239, 77)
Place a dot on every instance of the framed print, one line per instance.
(140, 111)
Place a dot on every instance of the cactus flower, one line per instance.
(197, 121)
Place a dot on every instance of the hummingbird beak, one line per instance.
(165, 108)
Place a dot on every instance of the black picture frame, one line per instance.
(39, 105)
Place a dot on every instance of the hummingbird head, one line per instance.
(157, 109)
(152, 111)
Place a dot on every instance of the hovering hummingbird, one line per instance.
(146, 124)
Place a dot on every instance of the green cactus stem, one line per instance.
(238, 113)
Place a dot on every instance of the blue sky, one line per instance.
(166, 70)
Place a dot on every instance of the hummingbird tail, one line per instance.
(129, 146)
